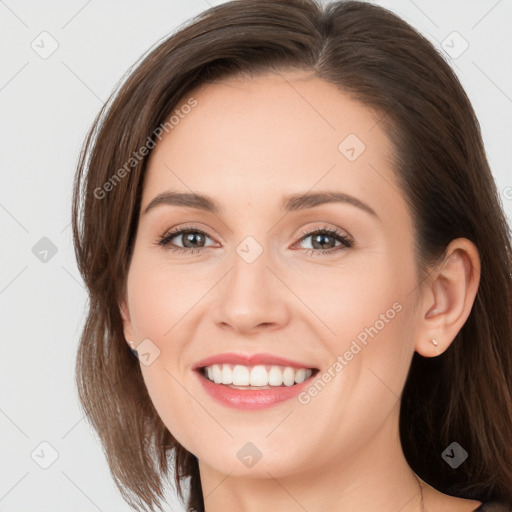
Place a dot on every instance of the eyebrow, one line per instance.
(290, 203)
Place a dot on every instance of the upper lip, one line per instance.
(249, 360)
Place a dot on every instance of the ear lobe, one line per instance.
(449, 297)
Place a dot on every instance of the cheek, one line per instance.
(161, 297)
(365, 291)
(370, 314)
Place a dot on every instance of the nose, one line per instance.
(252, 298)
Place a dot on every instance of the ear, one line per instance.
(448, 297)
(127, 324)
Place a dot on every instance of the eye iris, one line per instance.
(321, 244)
(192, 236)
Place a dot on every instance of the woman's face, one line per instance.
(249, 279)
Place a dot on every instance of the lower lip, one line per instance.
(251, 399)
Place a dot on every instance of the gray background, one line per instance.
(47, 105)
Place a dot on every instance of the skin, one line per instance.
(248, 143)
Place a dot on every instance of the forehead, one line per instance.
(272, 133)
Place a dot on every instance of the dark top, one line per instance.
(494, 506)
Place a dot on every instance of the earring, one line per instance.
(434, 342)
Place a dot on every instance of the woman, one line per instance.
(286, 215)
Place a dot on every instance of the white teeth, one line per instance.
(259, 376)
(227, 374)
(240, 375)
(256, 376)
(275, 376)
(288, 376)
(300, 376)
(217, 374)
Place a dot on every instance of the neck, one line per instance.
(373, 478)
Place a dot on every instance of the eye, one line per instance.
(192, 238)
(326, 237)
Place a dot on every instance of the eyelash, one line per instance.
(346, 242)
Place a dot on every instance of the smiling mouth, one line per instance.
(257, 377)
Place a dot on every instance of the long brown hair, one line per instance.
(464, 395)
